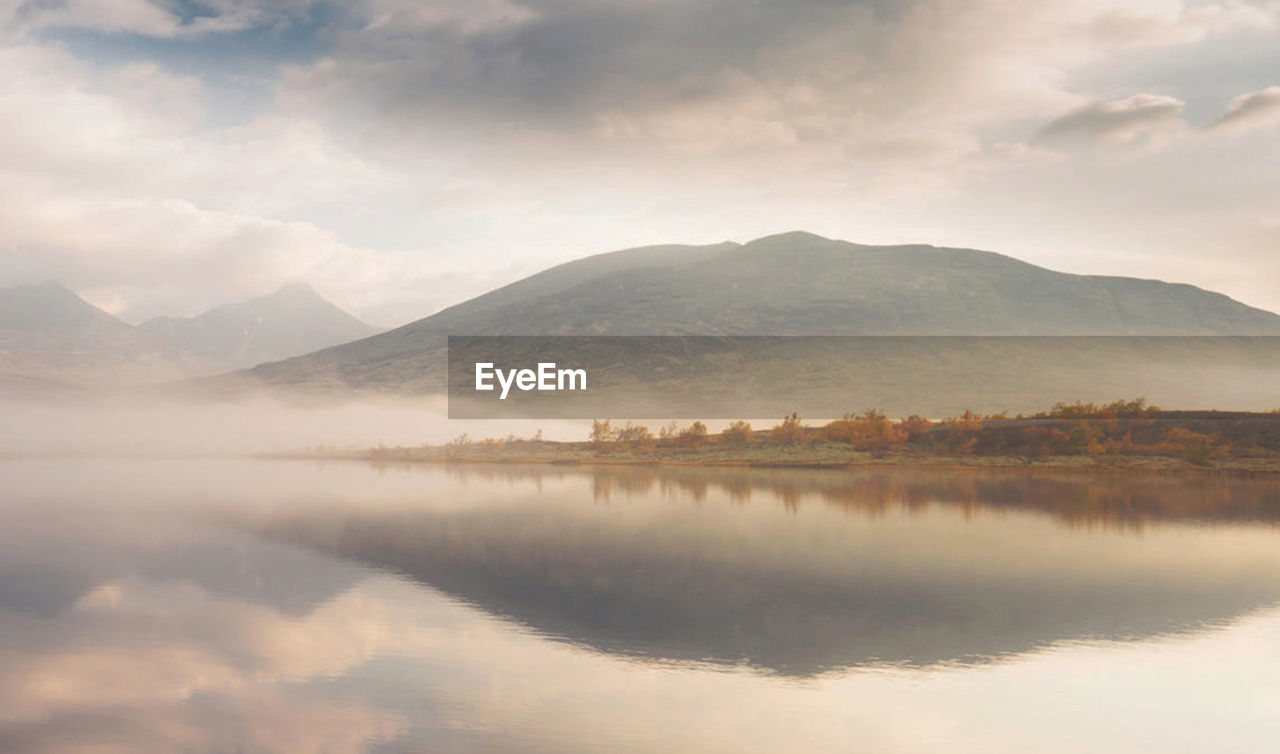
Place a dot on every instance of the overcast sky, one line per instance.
(164, 156)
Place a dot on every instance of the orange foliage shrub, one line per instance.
(693, 436)
(790, 430)
(738, 433)
(871, 430)
(637, 438)
(1195, 447)
(915, 427)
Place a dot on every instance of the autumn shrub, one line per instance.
(692, 436)
(637, 438)
(738, 433)
(915, 428)
(870, 430)
(1195, 447)
(1084, 437)
(1083, 410)
(960, 435)
(789, 431)
(1037, 441)
(603, 434)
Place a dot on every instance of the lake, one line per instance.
(297, 606)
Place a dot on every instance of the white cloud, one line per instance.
(138, 16)
(149, 18)
(140, 258)
(439, 148)
(1176, 22)
(1259, 109)
(1141, 117)
(113, 184)
(84, 130)
(400, 16)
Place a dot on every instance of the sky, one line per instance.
(166, 156)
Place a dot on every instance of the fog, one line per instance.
(259, 424)
(252, 425)
(166, 425)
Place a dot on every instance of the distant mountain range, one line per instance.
(294, 320)
(788, 284)
(51, 339)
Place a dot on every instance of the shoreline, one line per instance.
(572, 455)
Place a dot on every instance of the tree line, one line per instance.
(1125, 427)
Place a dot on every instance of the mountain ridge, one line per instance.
(50, 306)
(52, 340)
(290, 321)
(782, 291)
(794, 283)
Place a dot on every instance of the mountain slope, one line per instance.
(51, 307)
(788, 284)
(294, 320)
(51, 339)
(802, 284)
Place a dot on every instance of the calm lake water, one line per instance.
(241, 606)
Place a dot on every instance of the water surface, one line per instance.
(225, 606)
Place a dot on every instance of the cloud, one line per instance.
(196, 694)
(718, 73)
(144, 257)
(882, 99)
(114, 184)
(1148, 117)
(1141, 117)
(1259, 109)
(84, 130)
(431, 149)
(1176, 23)
(138, 16)
(400, 16)
(148, 18)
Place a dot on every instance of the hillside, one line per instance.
(51, 307)
(54, 342)
(51, 340)
(788, 284)
(802, 284)
(291, 321)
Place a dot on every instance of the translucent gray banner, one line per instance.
(710, 377)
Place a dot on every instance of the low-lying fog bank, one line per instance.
(260, 424)
(252, 425)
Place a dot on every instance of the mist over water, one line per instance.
(262, 424)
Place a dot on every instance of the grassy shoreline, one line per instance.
(817, 455)
(1127, 437)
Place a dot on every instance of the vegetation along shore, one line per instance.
(1128, 436)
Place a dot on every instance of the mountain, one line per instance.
(294, 320)
(52, 340)
(789, 284)
(51, 307)
(803, 284)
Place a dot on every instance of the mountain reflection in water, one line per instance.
(303, 607)
(886, 568)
